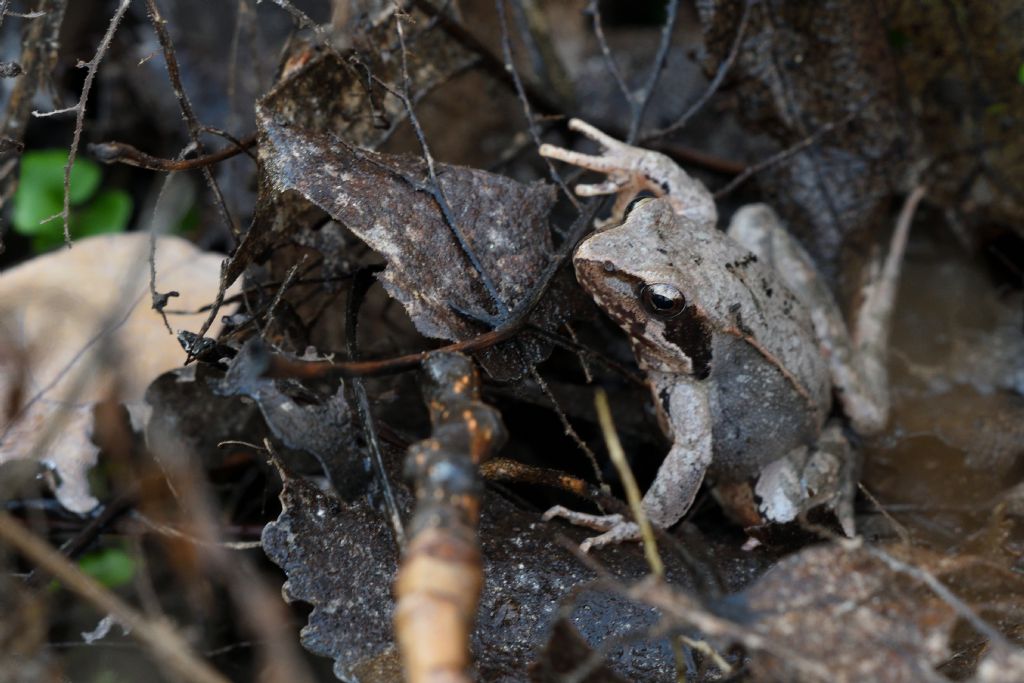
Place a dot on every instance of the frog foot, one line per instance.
(631, 170)
(625, 166)
(615, 527)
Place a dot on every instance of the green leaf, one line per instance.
(1020, 74)
(188, 221)
(32, 205)
(112, 567)
(47, 241)
(109, 212)
(40, 192)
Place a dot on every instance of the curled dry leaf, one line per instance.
(331, 92)
(320, 426)
(341, 558)
(382, 199)
(76, 327)
(850, 614)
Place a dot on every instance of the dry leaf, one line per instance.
(76, 327)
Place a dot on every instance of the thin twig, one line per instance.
(594, 10)
(436, 190)
(95, 526)
(122, 153)
(289, 279)
(716, 82)
(900, 530)
(566, 425)
(639, 106)
(38, 55)
(782, 155)
(936, 586)
(360, 284)
(524, 100)
(488, 61)
(160, 225)
(194, 129)
(91, 66)
(162, 640)
(4, 12)
(167, 530)
(637, 102)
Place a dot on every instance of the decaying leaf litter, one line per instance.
(391, 147)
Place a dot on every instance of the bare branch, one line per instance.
(639, 105)
(510, 67)
(163, 642)
(194, 129)
(439, 582)
(91, 66)
(122, 153)
(716, 82)
(782, 155)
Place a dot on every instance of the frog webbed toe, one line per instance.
(616, 528)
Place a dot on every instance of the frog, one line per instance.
(742, 342)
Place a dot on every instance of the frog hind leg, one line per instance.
(856, 362)
(807, 478)
(685, 407)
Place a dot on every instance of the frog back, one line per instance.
(737, 327)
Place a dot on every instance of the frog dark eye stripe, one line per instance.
(690, 332)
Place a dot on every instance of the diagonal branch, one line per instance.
(91, 66)
(194, 129)
(162, 640)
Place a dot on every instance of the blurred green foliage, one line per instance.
(112, 567)
(40, 196)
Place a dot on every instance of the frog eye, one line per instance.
(663, 300)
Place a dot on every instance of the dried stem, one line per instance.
(439, 582)
(510, 68)
(488, 61)
(633, 495)
(716, 82)
(91, 66)
(38, 56)
(162, 640)
(782, 155)
(122, 153)
(639, 105)
(194, 129)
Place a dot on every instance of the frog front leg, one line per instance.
(632, 170)
(684, 405)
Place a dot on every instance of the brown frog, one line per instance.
(742, 342)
